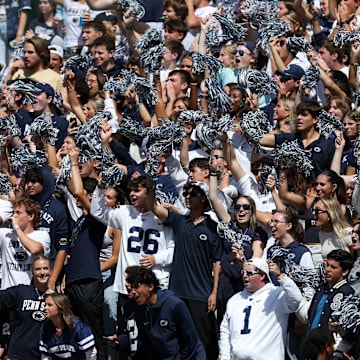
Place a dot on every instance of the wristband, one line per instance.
(204, 96)
(16, 227)
(138, 104)
(213, 173)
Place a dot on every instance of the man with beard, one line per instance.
(36, 62)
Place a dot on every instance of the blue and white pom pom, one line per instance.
(131, 128)
(356, 97)
(203, 62)
(153, 162)
(295, 44)
(81, 62)
(257, 81)
(131, 8)
(328, 123)
(225, 231)
(219, 101)
(258, 13)
(18, 53)
(290, 155)
(28, 90)
(264, 174)
(65, 171)
(22, 159)
(112, 176)
(10, 125)
(309, 81)
(5, 185)
(344, 37)
(230, 30)
(152, 48)
(276, 28)
(42, 126)
(195, 116)
(255, 124)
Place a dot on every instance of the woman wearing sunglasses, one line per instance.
(253, 237)
(335, 231)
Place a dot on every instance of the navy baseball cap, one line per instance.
(105, 16)
(48, 89)
(293, 71)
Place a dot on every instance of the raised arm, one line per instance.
(158, 210)
(219, 208)
(99, 4)
(78, 188)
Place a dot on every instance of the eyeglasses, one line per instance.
(240, 52)
(217, 157)
(285, 78)
(318, 211)
(246, 207)
(191, 193)
(249, 272)
(276, 222)
(281, 43)
(91, 81)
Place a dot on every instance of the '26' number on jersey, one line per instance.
(149, 236)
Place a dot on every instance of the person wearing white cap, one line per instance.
(56, 57)
(255, 322)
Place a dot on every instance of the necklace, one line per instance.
(40, 296)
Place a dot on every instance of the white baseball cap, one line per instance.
(261, 265)
(56, 49)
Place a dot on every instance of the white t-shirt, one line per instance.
(16, 259)
(330, 241)
(141, 233)
(190, 36)
(74, 12)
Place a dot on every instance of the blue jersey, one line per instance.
(70, 344)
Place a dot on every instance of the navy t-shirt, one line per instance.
(197, 247)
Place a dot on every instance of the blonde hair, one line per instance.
(337, 218)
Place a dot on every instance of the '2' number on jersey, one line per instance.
(150, 237)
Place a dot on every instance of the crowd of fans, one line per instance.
(180, 179)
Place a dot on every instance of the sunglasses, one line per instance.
(356, 232)
(217, 157)
(192, 193)
(240, 52)
(281, 43)
(246, 207)
(249, 272)
(285, 78)
(318, 211)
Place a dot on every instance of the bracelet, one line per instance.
(204, 96)
(16, 227)
(138, 104)
(213, 173)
